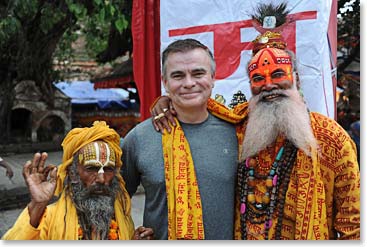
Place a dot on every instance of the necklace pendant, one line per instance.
(266, 198)
(243, 208)
(259, 206)
(269, 182)
(250, 197)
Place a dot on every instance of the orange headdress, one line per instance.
(267, 40)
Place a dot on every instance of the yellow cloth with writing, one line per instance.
(321, 186)
(185, 216)
(185, 219)
(323, 193)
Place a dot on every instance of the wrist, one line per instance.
(36, 210)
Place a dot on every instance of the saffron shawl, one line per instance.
(185, 219)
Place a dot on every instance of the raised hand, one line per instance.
(9, 172)
(162, 113)
(143, 233)
(41, 182)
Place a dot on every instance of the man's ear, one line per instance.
(72, 174)
(165, 84)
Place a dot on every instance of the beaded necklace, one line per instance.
(276, 181)
(112, 234)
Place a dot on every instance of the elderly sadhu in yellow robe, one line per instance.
(60, 219)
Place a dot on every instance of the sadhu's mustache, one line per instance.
(98, 189)
(279, 92)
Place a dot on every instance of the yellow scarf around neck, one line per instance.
(185, 216)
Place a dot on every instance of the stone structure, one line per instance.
(31, 118)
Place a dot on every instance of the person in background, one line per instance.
(93, 203)
(9, 172)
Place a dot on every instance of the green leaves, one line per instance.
(33, 33)
(49, 17)
(8, 28)
(78, 9)
(121, 23)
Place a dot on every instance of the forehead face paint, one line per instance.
(267, 61)
(97, 154)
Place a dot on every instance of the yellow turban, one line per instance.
(79, 137)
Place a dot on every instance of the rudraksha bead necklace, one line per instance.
(276, 181)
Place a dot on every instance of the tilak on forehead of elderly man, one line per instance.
(98, 156)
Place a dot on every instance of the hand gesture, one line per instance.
(143, 233)
(162, 114)
(9, 172)
(41, 180)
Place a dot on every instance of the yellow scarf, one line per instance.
(185, 216)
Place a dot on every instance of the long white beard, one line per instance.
(267, 120)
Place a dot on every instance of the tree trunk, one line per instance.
(6, 104)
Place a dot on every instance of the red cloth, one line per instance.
(145, 28)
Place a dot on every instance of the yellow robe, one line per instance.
(323, 197)
(54, 226)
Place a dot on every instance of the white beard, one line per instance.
(268, 120)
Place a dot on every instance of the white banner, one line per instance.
(227, 29)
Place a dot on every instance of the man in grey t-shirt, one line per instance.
(188, 77)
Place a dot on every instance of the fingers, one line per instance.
(51, 172)
(27, 169)
(171, 115)
(160, 122)
(164, 124)
(163, 118)
(37, 165)
(9, 173)
(163, 113)
(159, 116)
(42, 161)
(172, 109)
(143, 233)
(36, 158)
(154, 119)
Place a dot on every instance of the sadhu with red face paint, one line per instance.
(298, 175)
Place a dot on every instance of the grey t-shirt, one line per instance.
(214, 149)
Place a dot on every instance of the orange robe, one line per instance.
(60, 224)
(323, 197)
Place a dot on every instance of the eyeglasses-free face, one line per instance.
(270, 68)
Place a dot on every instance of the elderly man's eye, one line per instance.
(257, 78)
(278, 74)
(92, 168)
(108, 169)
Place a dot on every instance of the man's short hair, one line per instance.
(185, 45)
